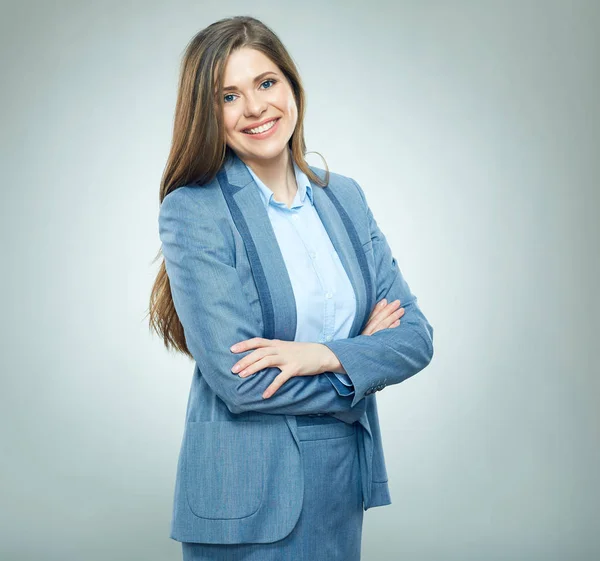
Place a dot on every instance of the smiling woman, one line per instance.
(268, 94)
(271, 275)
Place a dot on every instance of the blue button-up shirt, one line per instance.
(325, 300)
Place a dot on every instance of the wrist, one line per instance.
(329, 360)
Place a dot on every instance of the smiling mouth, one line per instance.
(263, 128)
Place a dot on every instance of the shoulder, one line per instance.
(335, 179)
(191, 199)
(183, 205)
(192, 193)
(196, 211)
(343, 187)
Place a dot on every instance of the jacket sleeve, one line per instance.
(341, 382)
(209, 301)
(391, 355)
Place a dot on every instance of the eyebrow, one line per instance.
(259, 77)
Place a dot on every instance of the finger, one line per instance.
(247, 344)
(379, 306)
(375, 316)
(389, 319)
(240, 365)
(248, 360)
(244, 364)
(387, 310)
(279, 380)
(382, 316)
(393, 317)
(263, 362)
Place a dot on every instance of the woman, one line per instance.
(271, 272)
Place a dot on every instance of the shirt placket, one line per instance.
(327, 291)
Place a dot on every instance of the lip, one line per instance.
(260, 123)
(267, 133)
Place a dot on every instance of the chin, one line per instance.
(266, 152)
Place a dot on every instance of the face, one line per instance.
(256, 91)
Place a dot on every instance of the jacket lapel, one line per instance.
(266, 260)
(346, 242)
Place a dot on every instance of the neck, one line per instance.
(278, 175)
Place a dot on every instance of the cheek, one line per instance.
(291, 110)
(229, 121)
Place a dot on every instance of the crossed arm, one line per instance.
(207, 294)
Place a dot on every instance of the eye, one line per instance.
(269, 80)
(225, 100)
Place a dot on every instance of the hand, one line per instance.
(294, 358)
(384, 315)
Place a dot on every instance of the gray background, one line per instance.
(473, 128)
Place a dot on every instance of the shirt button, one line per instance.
(328, 295)
(328, 338)
(312, 254)
(295, 216)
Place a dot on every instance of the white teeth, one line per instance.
(262, 128)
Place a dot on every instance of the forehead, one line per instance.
(244, 65)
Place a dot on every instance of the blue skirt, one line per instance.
(330, 524)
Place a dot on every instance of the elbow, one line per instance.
(238, 401)
(423, 344)
(427, 336)
(231, 400)
(419, 325)
(245, 394)
(234, 407)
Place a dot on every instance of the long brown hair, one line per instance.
(198, 147)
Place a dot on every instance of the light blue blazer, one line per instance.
(239, 474)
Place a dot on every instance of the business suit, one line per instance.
(229, 283)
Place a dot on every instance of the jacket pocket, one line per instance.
(224, 468)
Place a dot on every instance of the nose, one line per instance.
(255, 105)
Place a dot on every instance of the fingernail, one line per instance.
(234, 348)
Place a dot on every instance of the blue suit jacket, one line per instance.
(239, 474)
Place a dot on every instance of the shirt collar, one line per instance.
(304, 188)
